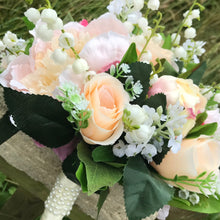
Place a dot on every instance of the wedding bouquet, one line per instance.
(120, 102)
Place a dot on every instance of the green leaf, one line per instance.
(116, 164)
(29, 45)
(156, 101)
(207, 205)
(103, 154)
(200, 118)
(6, 128)
(144, 194)
(130, 55)
(30, 25)
(184, 201)
(4, 196)
(102, 197)
(70, 166)
(81, 176)
(12, 190)
(197, 74)
(141, 71)
(190, 68)
(168, 69)
(167, 42)
(98, 174)
(159, 157)
(39, 116)
(207, 129)
(2, 177)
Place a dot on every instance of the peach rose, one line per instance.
(195, 156)
(184, 92)
(107, 99)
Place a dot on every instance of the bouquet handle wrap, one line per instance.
(61, 199)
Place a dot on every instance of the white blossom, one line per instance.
(66, 40)
(142, 23)
(80, 66)
(43, 32)
(129, 26)
(153, 4)
(134, 17)
(133, 149)
(183, 194)
(175, 144)
(190, 33)
(57, 25)
(49, 16)
(194, 198)
(59, 56)
(180, 52)
(2, 46)
(149, 151)
(126, 69)
(152, 114)
(141, 135)
(32, 15)
(188, 22)
(137, 114)
(163, 213)
(10, 39)
(119, 149)
(195, 14)
(177, 41)
(157, 39)
(116, 6)
(138, 5)
(217, 97)
(146, 57)
(154, 79)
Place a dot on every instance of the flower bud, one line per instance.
(59, 56)
(10, 39)
(217, 97)
(190, 33)
(195, 14)
(80, 66)
(43, 32)
(153, 4)
(177, 41)
(180, 52)
(2, 46)
(157, 39)
(138, 5)
(143, 23)
(188, 22)
(137, 114)
(49, 16)
(58, 25)
(129, 26)
(146, 57)
(66, 40)
(33, 15)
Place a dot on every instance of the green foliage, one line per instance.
(98, 174)
(200, 118)
(29, 45)
(206, 129)
(6, 128)
(81, 176)
(36, 115)
(167, 41)
(207, 205)
(156, 101)
(144, 194)
(102, 197)
(141, 71)
(131, 55)
(29, 24)
(103, 154)
(70, 166)
(167, 69)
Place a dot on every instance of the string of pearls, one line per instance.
(61, 199)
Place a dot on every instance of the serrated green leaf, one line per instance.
(30, 25)
(103, 154)
(207, 129)
(130, 55)
(141, 71)
(159, 157)
(156, 101)
(207, 205)
(98, 174)
(6, 128)
(81, 176)
(144, 194)
(102, 197)
(39, 116)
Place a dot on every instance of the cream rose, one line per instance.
(184, 92)
(107, 99)
(195, 156)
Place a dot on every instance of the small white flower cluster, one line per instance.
(192, 197)
(46, 22)
(10, 47)
(127, 10)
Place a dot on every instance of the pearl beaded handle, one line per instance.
(61, 199)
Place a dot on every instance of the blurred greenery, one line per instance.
(208, 29)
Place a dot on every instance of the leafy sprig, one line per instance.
(200, 182)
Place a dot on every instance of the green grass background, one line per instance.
(208, 29)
